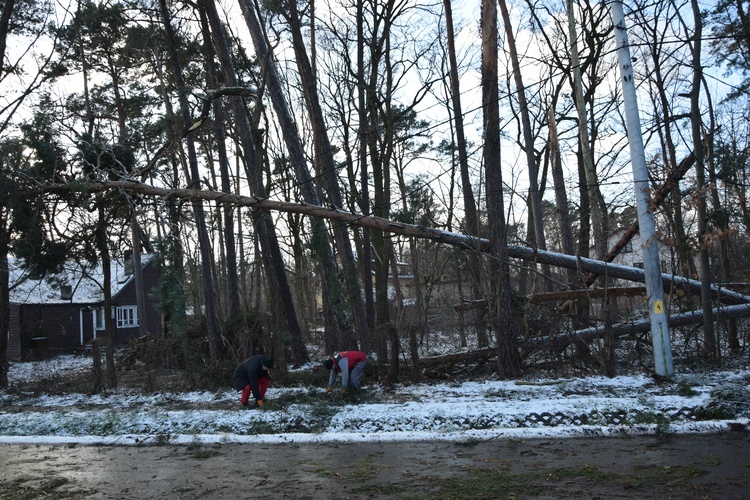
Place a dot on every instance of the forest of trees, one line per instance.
(285, 158)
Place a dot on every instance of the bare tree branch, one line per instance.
(209, 98)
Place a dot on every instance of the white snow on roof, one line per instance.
(86, 282)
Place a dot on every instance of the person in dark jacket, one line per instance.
(253, 376)
(351, 365)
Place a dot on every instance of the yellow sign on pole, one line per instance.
(658, 307)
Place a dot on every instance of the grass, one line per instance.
(197, 451)
(498, 482)
(364, 469)
(685, 389)
(648, 477)
(204, 454)
(24, 489)
(712, 460)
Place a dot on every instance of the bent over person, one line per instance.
(253, 376)
(351, 365)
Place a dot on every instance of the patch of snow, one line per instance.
(472, 410)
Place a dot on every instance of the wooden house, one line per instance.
(65, 311)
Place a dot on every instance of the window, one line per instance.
(99, 318)
(127, 317)
(628, 248)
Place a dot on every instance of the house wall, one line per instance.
(50, 327)
(13, 351)
(127, 297)
(633, 255)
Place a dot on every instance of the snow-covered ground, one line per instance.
(624, 405)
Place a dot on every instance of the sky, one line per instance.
(446, 411)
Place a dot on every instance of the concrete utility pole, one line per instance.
(651, 266)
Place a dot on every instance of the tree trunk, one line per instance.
(561, 196)
(535, 196)
(172, 296)
(501, 306)
(462, 241)
(339, 333)
(722, 222)
(212, 325)
(326, 169)
(5, 15)
(558, 342)
(685, 261)
(4, 297)
(709, 337)
(264, 226)
(363, 133)
(109, 329)
(597, 207)
(230, 246)
(470, 205)
(140, 293)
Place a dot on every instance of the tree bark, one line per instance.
(109, 328)
(326, 169)
(501, 305)
(362, 132)
(212, 325)
(597, 207)
(561, 196)
(5, 15)
(535, 197)
(641, 326)
(462, 241)
(140, 292)
(710, 345)
(4, 297)
(339, 333)
(230, 246)
(469, 202)
(685, 262)
(264, 225)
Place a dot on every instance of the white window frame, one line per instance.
(127, 316)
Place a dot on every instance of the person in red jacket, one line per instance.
(351, 365)
(253, 376)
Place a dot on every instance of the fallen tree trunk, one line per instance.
(639, 326)
(595, 293)
(558, 342)
(464, 241)
(461, 357)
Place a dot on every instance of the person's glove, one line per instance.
(328, 389)
(260, 403)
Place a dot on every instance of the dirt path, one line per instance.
(683, 466)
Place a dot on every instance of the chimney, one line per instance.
(66, 292)
(128, 262)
